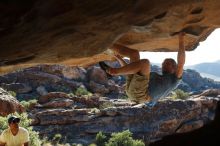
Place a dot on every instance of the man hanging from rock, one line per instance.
(143, 86)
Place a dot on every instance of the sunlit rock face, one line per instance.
(78, 32)
(9, 104)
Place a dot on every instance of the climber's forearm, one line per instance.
(181, 56)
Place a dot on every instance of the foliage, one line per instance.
(28, 104)
(82, 91)
(57, 138)
(3, 123)
(92, 144)
(77, 145)
(101, 139)
(179, 94)
(124, 97)
(67, 144)
(95, 111)
(118, 139)
(106, 105)
(25, 122)
(71, 94)
(12, 93)
(123, 139)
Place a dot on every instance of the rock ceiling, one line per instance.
(78, 32)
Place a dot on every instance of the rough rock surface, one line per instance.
(77, 33)
(97, 75)
(52, 95)
(17, 87)
(8, 104)
(43, 79)
(167, 117)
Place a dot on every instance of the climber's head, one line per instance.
(169, 66)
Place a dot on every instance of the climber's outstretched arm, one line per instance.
(180, 56)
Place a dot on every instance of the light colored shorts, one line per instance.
(137, 88)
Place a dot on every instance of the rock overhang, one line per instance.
(77, 33)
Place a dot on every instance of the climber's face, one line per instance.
(169, 66)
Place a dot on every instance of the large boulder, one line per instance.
(9, 104)
(98, 88)
(55, 100)
(17, 87)
(97, 75)
(58, 103)
(41, 90)
(75, 73)
(52, 95)
(78, 33)
(148, 123)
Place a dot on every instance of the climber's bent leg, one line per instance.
(126, 52)
(141, 67)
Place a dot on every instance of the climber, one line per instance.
(14, 135)
(143, 86)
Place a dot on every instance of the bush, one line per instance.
(100, 139)
(12, 93)
(179, 94)
(28, 104)
(123, 139)
(56, 138)
(118, 139)
(124, 97)
(106, 105)
(71, 94)
(92, 144)
(82, 91)
(25, 122)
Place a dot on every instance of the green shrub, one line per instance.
(28, 104)
(106, 105)
(123, 139)
(25, 122)
(77, 144)
(3, 124)
(179, 94)
(82, 91)
(101, 139)
(12, 93)
(71, 94)
(56, 138)
(92, 144)
(124, 97)
(118, 139)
